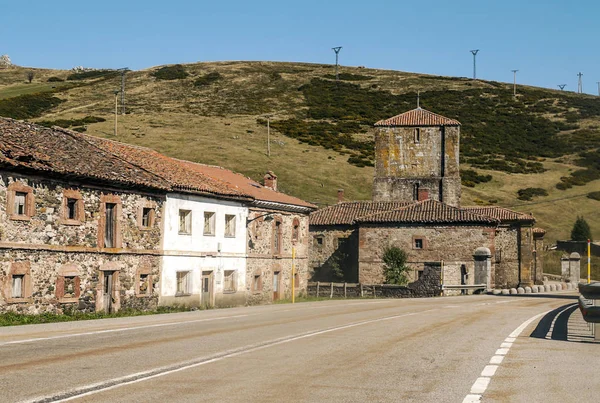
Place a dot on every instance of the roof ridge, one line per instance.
(413, 119)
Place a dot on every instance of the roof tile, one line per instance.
(418, 117)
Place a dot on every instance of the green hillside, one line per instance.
(538, 152)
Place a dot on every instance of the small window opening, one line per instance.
(17, 285)
(417, 135)
(147, 217)
(69, 284)
(110, 225)
(416, 191)
(229, 225)
(418, 244)
(185, 222)
(277, 238)
(20, 203)
(72, 209)
(229, 281)
(183, 283)
(256, 283)
(144, 284)
(209, 223)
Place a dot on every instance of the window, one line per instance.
(296, 281)
(416, 191)
(418, 243)
(20, 203)
(183, 283)
(147, 214)
(277, 238)
(257, 283)
(144, 284)
(417, 135)
(295, 230)
(185, 222)
(110, 225)
(318, 241)
(72, 208)
(229, 225)
(209, 223)
(18, 281)
(229, 281)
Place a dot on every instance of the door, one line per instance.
(463, 277)
(276, 285)
(107, 293)
(207, 288)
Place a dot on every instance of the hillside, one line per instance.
(321, 137)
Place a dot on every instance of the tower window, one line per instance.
(417, 135)
(416, 191)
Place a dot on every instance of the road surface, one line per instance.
(452, 349)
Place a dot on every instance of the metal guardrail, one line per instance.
(590, 293)
(464, 287)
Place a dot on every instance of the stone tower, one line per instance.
(416, 158)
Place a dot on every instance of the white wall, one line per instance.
(198, 252)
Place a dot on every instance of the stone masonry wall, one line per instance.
(48, 244)
(505, 255)
(263, 260)
(454, 245)
(330, 247)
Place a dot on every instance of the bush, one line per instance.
(529, 193)
(175, 72)
(65, 123)
(594, 195)
(581, 230)
(55, 80)
(84, 75)
(207, 79)
(470, 177)
(28, 106)
(394, 265)
(349, 77)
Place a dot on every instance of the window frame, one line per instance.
(295, 230)
(233, 280)
(423, 241)
(231, 234)
(68, 271)
(187, 227)
(29, 204)
(417, 135)
(79, 217)
(143, 205)
(187, 274)
(19, 269)
(211, 223)
(143, 271)
(277, 237)
(257, 283)
(106, 199)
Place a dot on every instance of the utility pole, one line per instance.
(562, 86)
(337, 53)
(580, 83)
(116, 92)
(598, 82)
(123, 71)
(514, 82)
(474, 63)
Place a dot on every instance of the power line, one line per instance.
(337, 53)
(474, 51)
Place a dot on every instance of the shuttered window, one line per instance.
(20, 203)
(110, 225)
(17, 285)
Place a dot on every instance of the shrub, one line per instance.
(581, 230)
(84, 75)
(394, 265)
(594, 195)
(529, 193)
(470, 177)
(72, 122)
(55, 80)
(207, 79)
(175, 72)
(349, 77)
(28, 106)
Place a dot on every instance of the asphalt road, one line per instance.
(421, 350)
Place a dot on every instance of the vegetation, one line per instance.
(55, 80)
(529, 193)
(28, 106)
(174, 72)
(594, 195)
(14, 319)
(77, 124)
(581, 230)
(207, 79)
(470, 177)
(348, 77)
(30, 76)
(85, 75)
(394, 265)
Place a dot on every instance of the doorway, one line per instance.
(108, 289)
(276, 285)
(207, 289)
(463, 277)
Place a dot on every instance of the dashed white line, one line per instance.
(481, 384)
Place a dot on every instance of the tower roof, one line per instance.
(418, 117)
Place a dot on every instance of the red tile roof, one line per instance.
(501, 213)
(429, 212)
(27, 146)
(346, 213)
(418, 117)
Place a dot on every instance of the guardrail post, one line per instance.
(331, 294)
(361, 290)
(317, 289)
(374, 291)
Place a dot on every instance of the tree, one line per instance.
(30, 76)
(581, 230)
(394, 265)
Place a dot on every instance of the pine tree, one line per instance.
(581, 230)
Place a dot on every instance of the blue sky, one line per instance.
(548, 41)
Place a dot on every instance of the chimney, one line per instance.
(340, 195)
(270, 180)
(423, 194)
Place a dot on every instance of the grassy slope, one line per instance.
(217, 124)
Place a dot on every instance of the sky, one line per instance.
(549, 41)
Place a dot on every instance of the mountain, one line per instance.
(537, 152)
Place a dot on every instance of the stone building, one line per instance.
(416, 206)
(93, 224)
(79, 228)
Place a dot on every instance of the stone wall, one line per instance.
(454, 245)
(432, 163)
(264, 260)
(54, 252)
(333, 253)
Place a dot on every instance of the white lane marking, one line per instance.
(506, 345)
(162, 371)
(482, 383)
(123, 329)
(510, 339)
(497, 359)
